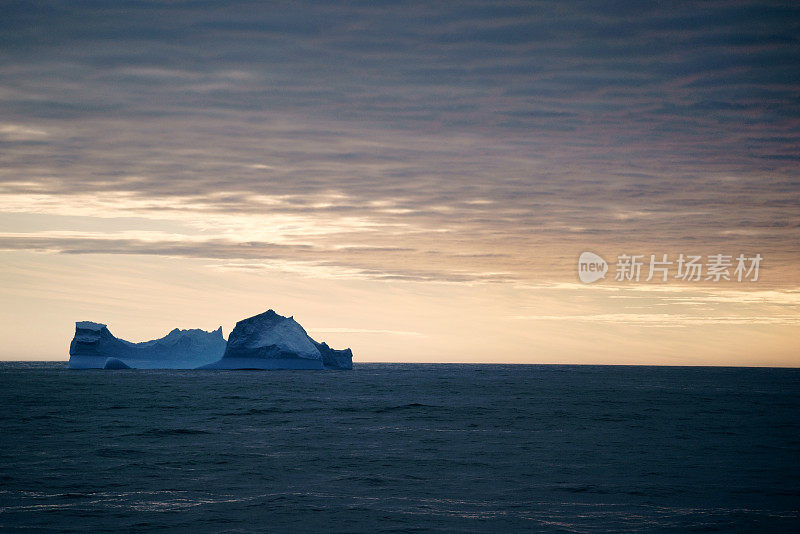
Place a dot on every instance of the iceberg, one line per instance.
(264, 341)
(95, 347)
(272, 341)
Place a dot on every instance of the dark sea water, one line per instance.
(400, 448)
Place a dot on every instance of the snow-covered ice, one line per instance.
(95, 347)
(272, 341)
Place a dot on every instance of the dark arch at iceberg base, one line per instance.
(264, 341)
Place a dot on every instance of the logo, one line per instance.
(591, 267)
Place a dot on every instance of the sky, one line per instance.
(414, 180)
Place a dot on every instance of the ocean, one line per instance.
(400, 448)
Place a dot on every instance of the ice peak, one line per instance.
(89, 325)
(267, 317)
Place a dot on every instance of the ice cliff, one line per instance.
(94, 347)
(272, 341)
(264, 341)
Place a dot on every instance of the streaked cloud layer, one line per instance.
(458, 143)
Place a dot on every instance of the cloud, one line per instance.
(17, 132)
(667, 320)
(356, 262)
(506, 137)
(365, 331)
